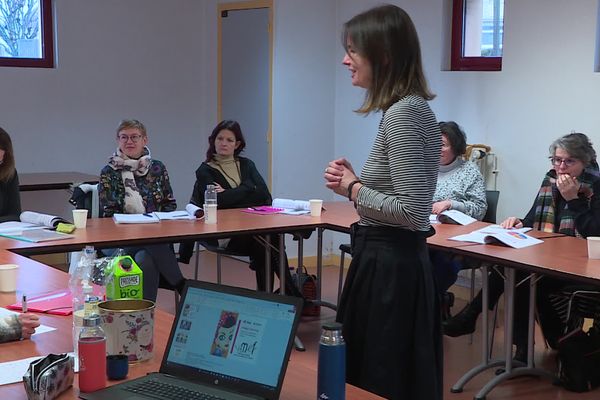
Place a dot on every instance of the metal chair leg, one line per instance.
(341, 277)
(197, 251)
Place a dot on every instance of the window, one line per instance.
(26, 33)
(477, 32)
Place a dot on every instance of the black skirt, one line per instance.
(389, 309)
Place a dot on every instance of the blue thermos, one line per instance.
(331, 381)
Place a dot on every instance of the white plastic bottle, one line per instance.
(210, 204)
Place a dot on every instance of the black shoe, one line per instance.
(462, 323)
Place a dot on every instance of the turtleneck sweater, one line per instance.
(461, 183)
(229, 167)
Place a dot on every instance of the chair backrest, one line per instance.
(491, 196)
(87, 200)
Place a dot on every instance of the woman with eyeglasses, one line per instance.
(133, 183)
(20, 326)
(568, 202)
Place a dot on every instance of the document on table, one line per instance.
(36, 235)
(16, 226)
(452, 217)
(135, 218)
(170, 215)
(515, 238)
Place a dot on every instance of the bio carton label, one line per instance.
(127, 280)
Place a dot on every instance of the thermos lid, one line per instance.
(92, 320)
(332, 326)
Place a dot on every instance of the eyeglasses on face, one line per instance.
(569, 162)
(125, 138)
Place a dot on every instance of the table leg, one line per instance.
(486, 362)
(513, 368)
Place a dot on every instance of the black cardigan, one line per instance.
(252, 191)
(10, 202)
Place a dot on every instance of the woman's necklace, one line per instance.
(218, 164)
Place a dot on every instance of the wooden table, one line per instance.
(53, 180)
(35, 278)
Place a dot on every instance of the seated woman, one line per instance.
(133, 182)
(22, 326)
(10, 202)
(459, 187)
(568, 202)
(239, 184)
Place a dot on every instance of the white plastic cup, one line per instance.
(210, 213)
(593, 245)
(315, 207)
(80, 218)
(8, 277)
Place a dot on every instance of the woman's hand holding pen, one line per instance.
(28, 324)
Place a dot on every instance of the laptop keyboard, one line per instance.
(162, 390)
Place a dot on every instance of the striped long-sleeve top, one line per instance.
(400, 174)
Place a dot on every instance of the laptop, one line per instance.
(227, 342)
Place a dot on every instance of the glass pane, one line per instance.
(20, 29)
(483, 28)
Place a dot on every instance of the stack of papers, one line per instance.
(495, 234)
(151, 218)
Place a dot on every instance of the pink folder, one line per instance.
(59, 302)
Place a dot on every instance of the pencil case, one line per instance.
(48, 377)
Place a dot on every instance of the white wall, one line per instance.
(137, 58)
(116, 59)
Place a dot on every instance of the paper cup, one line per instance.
(593, 244)
(315, 207)
(80, 218)
(210, 213)
(8, 277)
(129, 328)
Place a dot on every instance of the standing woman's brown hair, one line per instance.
(7, 164)
(387, 38)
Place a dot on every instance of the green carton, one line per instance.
(127, 280)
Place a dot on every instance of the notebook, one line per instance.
(228, 342)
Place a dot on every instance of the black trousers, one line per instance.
(391, 317)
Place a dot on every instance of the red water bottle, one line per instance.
(92, 355)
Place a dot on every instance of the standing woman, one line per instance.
(10, 202)
(389, 305)
(134, 183)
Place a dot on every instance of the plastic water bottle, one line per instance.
(331, 381)
(92, 355)
(79, 275)
(210, 204)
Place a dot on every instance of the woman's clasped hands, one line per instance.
(339, 174)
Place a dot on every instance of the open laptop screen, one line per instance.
(232, 337)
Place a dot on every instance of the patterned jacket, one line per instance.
(154, 187)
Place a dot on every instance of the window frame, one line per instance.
(458, 62)
(47, 39)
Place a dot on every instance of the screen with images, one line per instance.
(234, 336)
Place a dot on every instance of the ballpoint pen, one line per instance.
(24, 304)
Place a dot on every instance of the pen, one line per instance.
(147, 215)
(24, 304)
